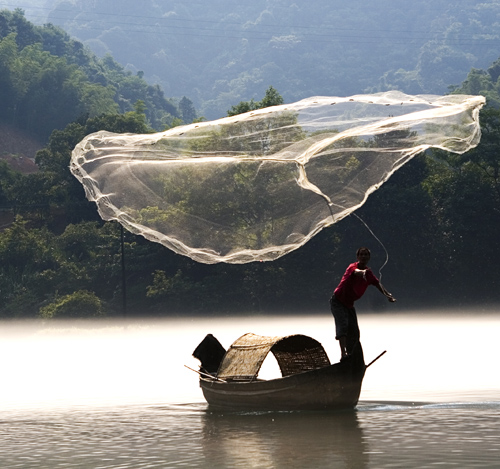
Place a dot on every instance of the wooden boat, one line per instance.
(229, 380)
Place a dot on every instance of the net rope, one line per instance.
(253, 187)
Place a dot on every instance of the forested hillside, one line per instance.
(48, 79)
(438, 217)
(221, 52)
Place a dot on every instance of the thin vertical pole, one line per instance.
(124, 283)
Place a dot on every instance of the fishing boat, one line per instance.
(229, 379)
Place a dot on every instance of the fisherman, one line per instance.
(353, 285)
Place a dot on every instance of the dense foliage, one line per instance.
(48, 80)
(438, 217)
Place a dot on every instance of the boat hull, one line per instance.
(336, 387)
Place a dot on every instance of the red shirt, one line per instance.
(352, 287)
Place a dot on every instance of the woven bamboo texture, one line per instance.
(294, 354)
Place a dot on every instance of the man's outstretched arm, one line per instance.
(385, 293)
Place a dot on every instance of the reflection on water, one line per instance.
(284, 439)
(115, 395)
(432, 435)
(376, 436)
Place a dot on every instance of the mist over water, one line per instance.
(116, 394)
(430, 356)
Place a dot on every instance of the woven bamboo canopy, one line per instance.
(294, 354)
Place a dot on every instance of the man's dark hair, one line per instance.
(360, 250)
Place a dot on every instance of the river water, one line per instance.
(115, 394)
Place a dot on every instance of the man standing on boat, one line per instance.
(353, 285)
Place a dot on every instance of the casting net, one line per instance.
(258, 185)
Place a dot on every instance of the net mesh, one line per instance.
(258, 185)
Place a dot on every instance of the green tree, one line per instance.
(8, 55)
(80, 304)
(187, 110)
(26, 255)
(8, 178)
(271, 98)
(486, 155)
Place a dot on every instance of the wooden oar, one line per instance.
(374, 360)
(206, 375)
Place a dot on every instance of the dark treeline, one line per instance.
(438, 217)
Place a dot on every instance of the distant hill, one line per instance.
(222, 52)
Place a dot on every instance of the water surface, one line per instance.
(117, 395)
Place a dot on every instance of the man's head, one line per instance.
(363, 255)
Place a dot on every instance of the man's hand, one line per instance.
(360, 273)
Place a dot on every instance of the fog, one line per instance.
(430, 356)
